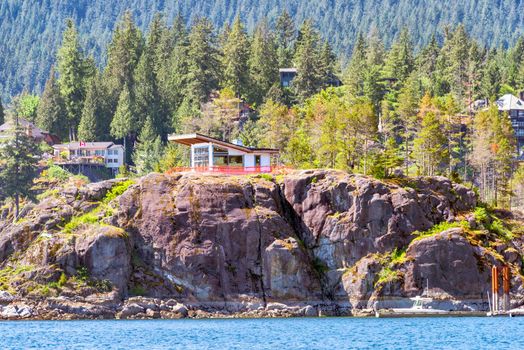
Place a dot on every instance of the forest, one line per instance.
(399, 110)
(30, 31)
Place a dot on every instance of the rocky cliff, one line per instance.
(177, 245)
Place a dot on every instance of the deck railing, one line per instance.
(233, 170)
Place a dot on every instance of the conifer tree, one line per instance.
(72, 75)
(354, 75)
(123, 55)
(125, 121)
(2, 113)
(51, 114)
(202, 60)
(235, 60)
(148, 149)
(263, 71)
(308, 80)
(399, 63)
(89, 128)
(285, 35)
(147, 100)
(19, 156)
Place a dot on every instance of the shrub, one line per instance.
(62, 280)
(117, 190)
(438, 228)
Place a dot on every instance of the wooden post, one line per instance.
(506, 286)
(495, 288)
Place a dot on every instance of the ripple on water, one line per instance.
(310, 333)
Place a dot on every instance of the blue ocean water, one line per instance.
(301, 333)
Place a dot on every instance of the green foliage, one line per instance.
(56, 173)
(319, 266)
(117, 190)
(438, 228)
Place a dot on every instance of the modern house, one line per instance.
(210, 154)
(514, 106)
(105, 154)
(31, 130)
(288, 74)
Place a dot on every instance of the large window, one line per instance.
(201, 156)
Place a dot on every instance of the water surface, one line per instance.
(297, 333)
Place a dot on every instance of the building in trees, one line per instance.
(30, 129)
(210, 154)
(288, 74)
(96, 154)
(514, 106)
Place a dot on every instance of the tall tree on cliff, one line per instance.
(123, 55)
(263, 65)
(203, 62)
(354, 74)
(94, 122)
(148, 149)
(148, 103)
(125, 121)
(19, 156)
(51, 114)
(235, 60)
(285, 36)
(73, 72)
(308, 80)
(2, 113)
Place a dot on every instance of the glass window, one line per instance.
(236, 160)
(201, 156)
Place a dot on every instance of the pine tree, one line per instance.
(203, 62)
(148, 149)
(72, 75)
(146, 95)
(308, 80)
(19, 156)
(2, 113)
(263, 71)
(125, 121)
(51, 114)
(430, 144)
(123, 55)
(285, 35)
(354, 75)
(400, 62)
(89, 128)
(235, 60)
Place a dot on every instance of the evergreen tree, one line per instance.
(148, 104)
(285, 36)
(124, 123)
(308, 80)
(400, 62)
(89, 128)
(19, 156)
(429, 146)
(235, 60)
(2, 113)
(51, 114)
(354, 75)
(123, 55)
(263, 71)
(203, 62)
(148, 149)
(72, 74)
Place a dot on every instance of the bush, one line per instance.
(56, 173)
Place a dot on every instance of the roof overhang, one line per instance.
(194, 139)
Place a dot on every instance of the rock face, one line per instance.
(324, 237)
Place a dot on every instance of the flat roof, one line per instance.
(76, 145)
(193, 139)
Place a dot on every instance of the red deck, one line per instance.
(233, 170)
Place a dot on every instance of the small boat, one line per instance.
(419, 309)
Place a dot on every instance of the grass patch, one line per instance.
(117, 190)
(438, 228)
(9, 275)
(138, 291)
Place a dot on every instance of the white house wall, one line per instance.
(265, 160)
(249, 160)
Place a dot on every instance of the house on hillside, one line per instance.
(31, 130)
(210, 154)
(93, 154)
(288, 74)
(514, 106)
